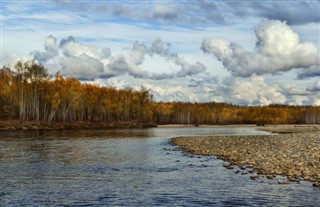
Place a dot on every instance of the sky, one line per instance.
(242, 52)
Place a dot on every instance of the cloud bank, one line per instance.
(278, 49)
(86, 62)
(248, 91)
(256, 91)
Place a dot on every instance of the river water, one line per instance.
(135, 167)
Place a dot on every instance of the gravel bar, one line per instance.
(295, 155)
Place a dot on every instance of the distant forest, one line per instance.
(28, 93)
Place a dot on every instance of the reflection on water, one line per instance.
(129, 168)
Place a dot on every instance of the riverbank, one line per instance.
(295, 154)
(204, 125)
(35, 125)
(287, 129)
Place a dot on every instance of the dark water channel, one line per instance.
(129, 168)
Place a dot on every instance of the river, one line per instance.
(135, 167)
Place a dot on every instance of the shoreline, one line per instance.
(293, 152)
(272, 128)
(13, 125)
(6, 125)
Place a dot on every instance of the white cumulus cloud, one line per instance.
(278, 49)
(50, 50)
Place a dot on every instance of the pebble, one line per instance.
(254, 177)
(316, 184)
(269, 177)
(230, 167)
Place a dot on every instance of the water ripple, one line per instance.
(95, 168)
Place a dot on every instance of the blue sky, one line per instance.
(242, 52)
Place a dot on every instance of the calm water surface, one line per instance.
(130, 168)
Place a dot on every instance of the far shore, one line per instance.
(11, 125)
(294, 151)
(41, 125)
(279, 129)
(203, 125)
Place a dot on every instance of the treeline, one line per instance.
(28, 93)
(223, 113)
